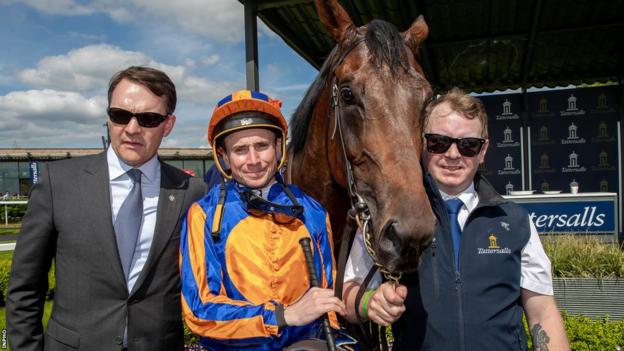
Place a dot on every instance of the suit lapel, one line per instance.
(170, 201)
(96, 188)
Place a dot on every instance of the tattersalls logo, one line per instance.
(572, 109)
(544, 165)
(507, 114)
(545, 186)
(604, 185)
(603, 135)
(602, 102)
(543, 137)
(573, 165)
(586, 219)
(509, 168)
(603, 163)
(542, 108)
(602, 105)
(508, 139)
(573, 137)
(509, 188)
(484, 169)
(493, 247)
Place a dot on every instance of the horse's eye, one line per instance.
(347, 95)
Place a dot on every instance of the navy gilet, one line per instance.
(479, 307)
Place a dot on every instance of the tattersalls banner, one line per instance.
(503, 162)
(574, 139)
(34, 172)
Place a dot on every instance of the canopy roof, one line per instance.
(481, 45)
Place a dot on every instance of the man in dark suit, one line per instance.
(111, 223)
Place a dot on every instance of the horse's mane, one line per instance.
(386, 46)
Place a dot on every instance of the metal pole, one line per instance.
(6, 215)
(525, 141)
(251, 45)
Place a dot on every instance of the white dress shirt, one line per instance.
(120, 186)
(535, 273)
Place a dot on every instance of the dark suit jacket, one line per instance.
(69, 220)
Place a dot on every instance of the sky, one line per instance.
(58, 56)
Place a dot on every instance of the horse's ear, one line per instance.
(334, 18)
(416, 34)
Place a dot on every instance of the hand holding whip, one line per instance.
(305, 245)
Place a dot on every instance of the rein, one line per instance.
(359, 209)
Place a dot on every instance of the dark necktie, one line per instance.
(452, 208)
(128, 222)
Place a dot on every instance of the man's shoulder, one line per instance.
(73, 164)
(193, 185)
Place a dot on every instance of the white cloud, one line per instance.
(58, 7)
(202, 90)
(61, 113)
(82, 69)
(47, 118)
(211, 60)
(88, 69)
(51, 106)
(220, 20)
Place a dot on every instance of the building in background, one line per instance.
(19, 167)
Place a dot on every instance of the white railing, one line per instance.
(6, 204)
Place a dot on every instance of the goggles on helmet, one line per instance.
(226, 118)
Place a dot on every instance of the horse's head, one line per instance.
(380, 90)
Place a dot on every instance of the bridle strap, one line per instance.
(358, 206)
(351, 188)
(348, 235)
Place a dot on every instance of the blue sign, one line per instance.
(587, 217)
(503, 163)
(34, 172)
(574, 139)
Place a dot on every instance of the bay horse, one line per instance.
(356, 137)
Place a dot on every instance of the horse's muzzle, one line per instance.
(399, 248)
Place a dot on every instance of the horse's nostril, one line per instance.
(390, 240)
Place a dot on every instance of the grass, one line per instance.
(584, 257)
(6, 255)
(11, 229)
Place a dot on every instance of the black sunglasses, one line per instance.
(145, 119)
(468, 147)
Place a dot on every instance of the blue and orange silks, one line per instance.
(230, 288)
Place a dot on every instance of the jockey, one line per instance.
(245, 283)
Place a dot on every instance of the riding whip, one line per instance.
(305, 245)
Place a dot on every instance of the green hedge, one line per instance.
(585, 334)
(594, 334)
(5, 270)
(14, 212)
